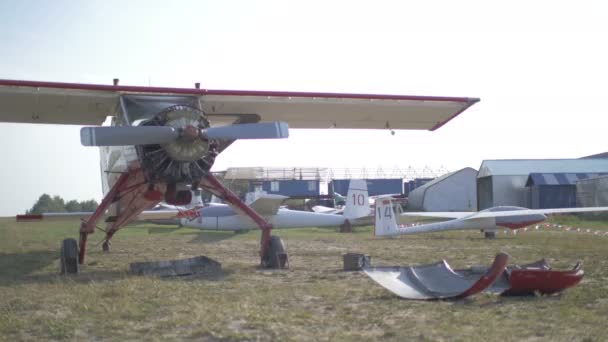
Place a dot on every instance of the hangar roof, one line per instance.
(442, 178)
(523, 167)
(595, 156)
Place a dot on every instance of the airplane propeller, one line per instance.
(148, 135)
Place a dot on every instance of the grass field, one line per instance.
(312, 301)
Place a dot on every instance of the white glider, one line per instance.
(490, 219)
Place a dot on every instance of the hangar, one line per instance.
(503, 182)
(375, 187)
(592, 192)
(319, 182)
(554, 190)
(454, 191)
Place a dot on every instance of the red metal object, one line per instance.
(498, 267)
(518, 225)
(211, 184)
(130, 192)
(190, 214)
(82, 244)
(528, 281)
(31, 217)
(132, 199)
(88, 227)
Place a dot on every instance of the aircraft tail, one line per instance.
(357, 200)
(385, 222)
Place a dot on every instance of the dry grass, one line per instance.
(314, 300)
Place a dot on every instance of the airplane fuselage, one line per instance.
(225, 218)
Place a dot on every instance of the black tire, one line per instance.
(105, 246)
(490, 235)
(68, 258)
(277, 255)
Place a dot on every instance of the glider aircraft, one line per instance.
(162, 142)
(488, 220)
(224, 217)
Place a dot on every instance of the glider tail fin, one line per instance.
(385, 221)
(357, 201)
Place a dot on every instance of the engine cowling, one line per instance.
(185, 160)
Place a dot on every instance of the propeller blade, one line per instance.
(266, 130)
(123, 136)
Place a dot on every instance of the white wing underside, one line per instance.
(82, 104)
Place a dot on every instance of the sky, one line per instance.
(539, 68)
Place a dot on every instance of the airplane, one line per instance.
(488, 220)
(224, 217)
(161, 142)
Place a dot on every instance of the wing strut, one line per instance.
(88, 226)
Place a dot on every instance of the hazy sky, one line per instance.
(539, 67)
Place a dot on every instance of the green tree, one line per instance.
(73, 206)
(89, 205)
(46, 204)
(42, 205)
(56, 204)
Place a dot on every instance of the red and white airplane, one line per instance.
(162, 142)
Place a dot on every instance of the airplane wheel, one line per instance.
(277, 256)
(489, 235)
(68, 258)
(105, 246)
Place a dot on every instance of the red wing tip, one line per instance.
(470, 102)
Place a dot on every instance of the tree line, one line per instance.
(56, 204)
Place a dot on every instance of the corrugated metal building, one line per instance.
(454, 191)
(503, 182)
(592, 192)
(374, 186)
(554, 190)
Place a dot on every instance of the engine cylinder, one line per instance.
(185, 160)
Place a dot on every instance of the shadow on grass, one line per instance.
(55, 277)
(200, 277)
(211, 236)
(92, 276)
(162, 230)
(15, 266)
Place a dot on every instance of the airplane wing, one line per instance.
(509, 213)
(69, 216)
(267, 204)
(89, 104)
(409, 217)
